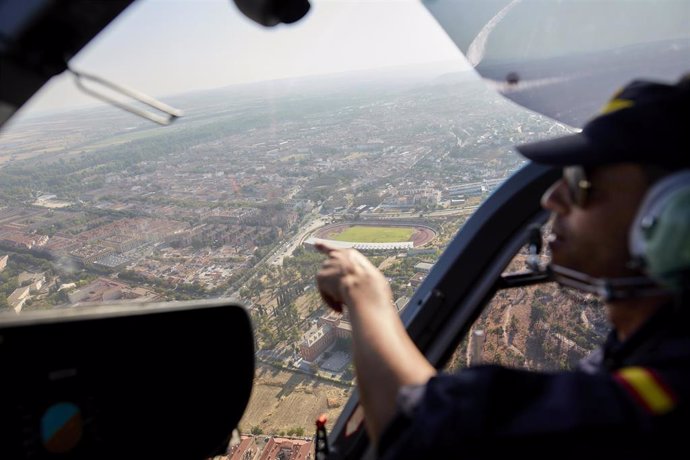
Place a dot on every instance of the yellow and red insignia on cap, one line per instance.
(647, 388)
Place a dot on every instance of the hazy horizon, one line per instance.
(409, 74)
(168, 47)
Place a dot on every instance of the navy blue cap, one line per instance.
(645, 122)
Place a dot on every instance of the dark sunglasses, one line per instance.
(578, 183)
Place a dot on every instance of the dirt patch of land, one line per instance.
(282, 400)
(307, 302)
(387, 263)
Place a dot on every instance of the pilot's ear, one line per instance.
(659, 238)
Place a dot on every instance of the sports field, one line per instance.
(369, 234)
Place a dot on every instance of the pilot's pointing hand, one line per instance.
(348, 278)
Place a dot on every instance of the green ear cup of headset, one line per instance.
(668, 243)
(660, 235)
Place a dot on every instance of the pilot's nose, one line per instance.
(555, 199)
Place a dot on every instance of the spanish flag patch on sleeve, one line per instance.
(647, 388)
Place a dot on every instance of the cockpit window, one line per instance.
(362, 125)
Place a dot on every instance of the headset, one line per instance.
(658, 242)
(659, 238)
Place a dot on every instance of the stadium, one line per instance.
(374, 235)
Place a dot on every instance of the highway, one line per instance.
(287, 248)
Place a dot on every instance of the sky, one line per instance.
(166, 47)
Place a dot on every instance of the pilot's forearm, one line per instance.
(385, 359)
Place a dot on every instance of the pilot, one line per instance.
(624, 174)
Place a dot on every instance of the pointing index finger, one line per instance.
(324, 248)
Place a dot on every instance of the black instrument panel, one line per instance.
(124, 382)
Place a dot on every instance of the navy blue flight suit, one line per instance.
(626, 400)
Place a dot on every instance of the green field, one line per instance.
(366, 234)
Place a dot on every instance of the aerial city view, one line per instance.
(101, 207)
